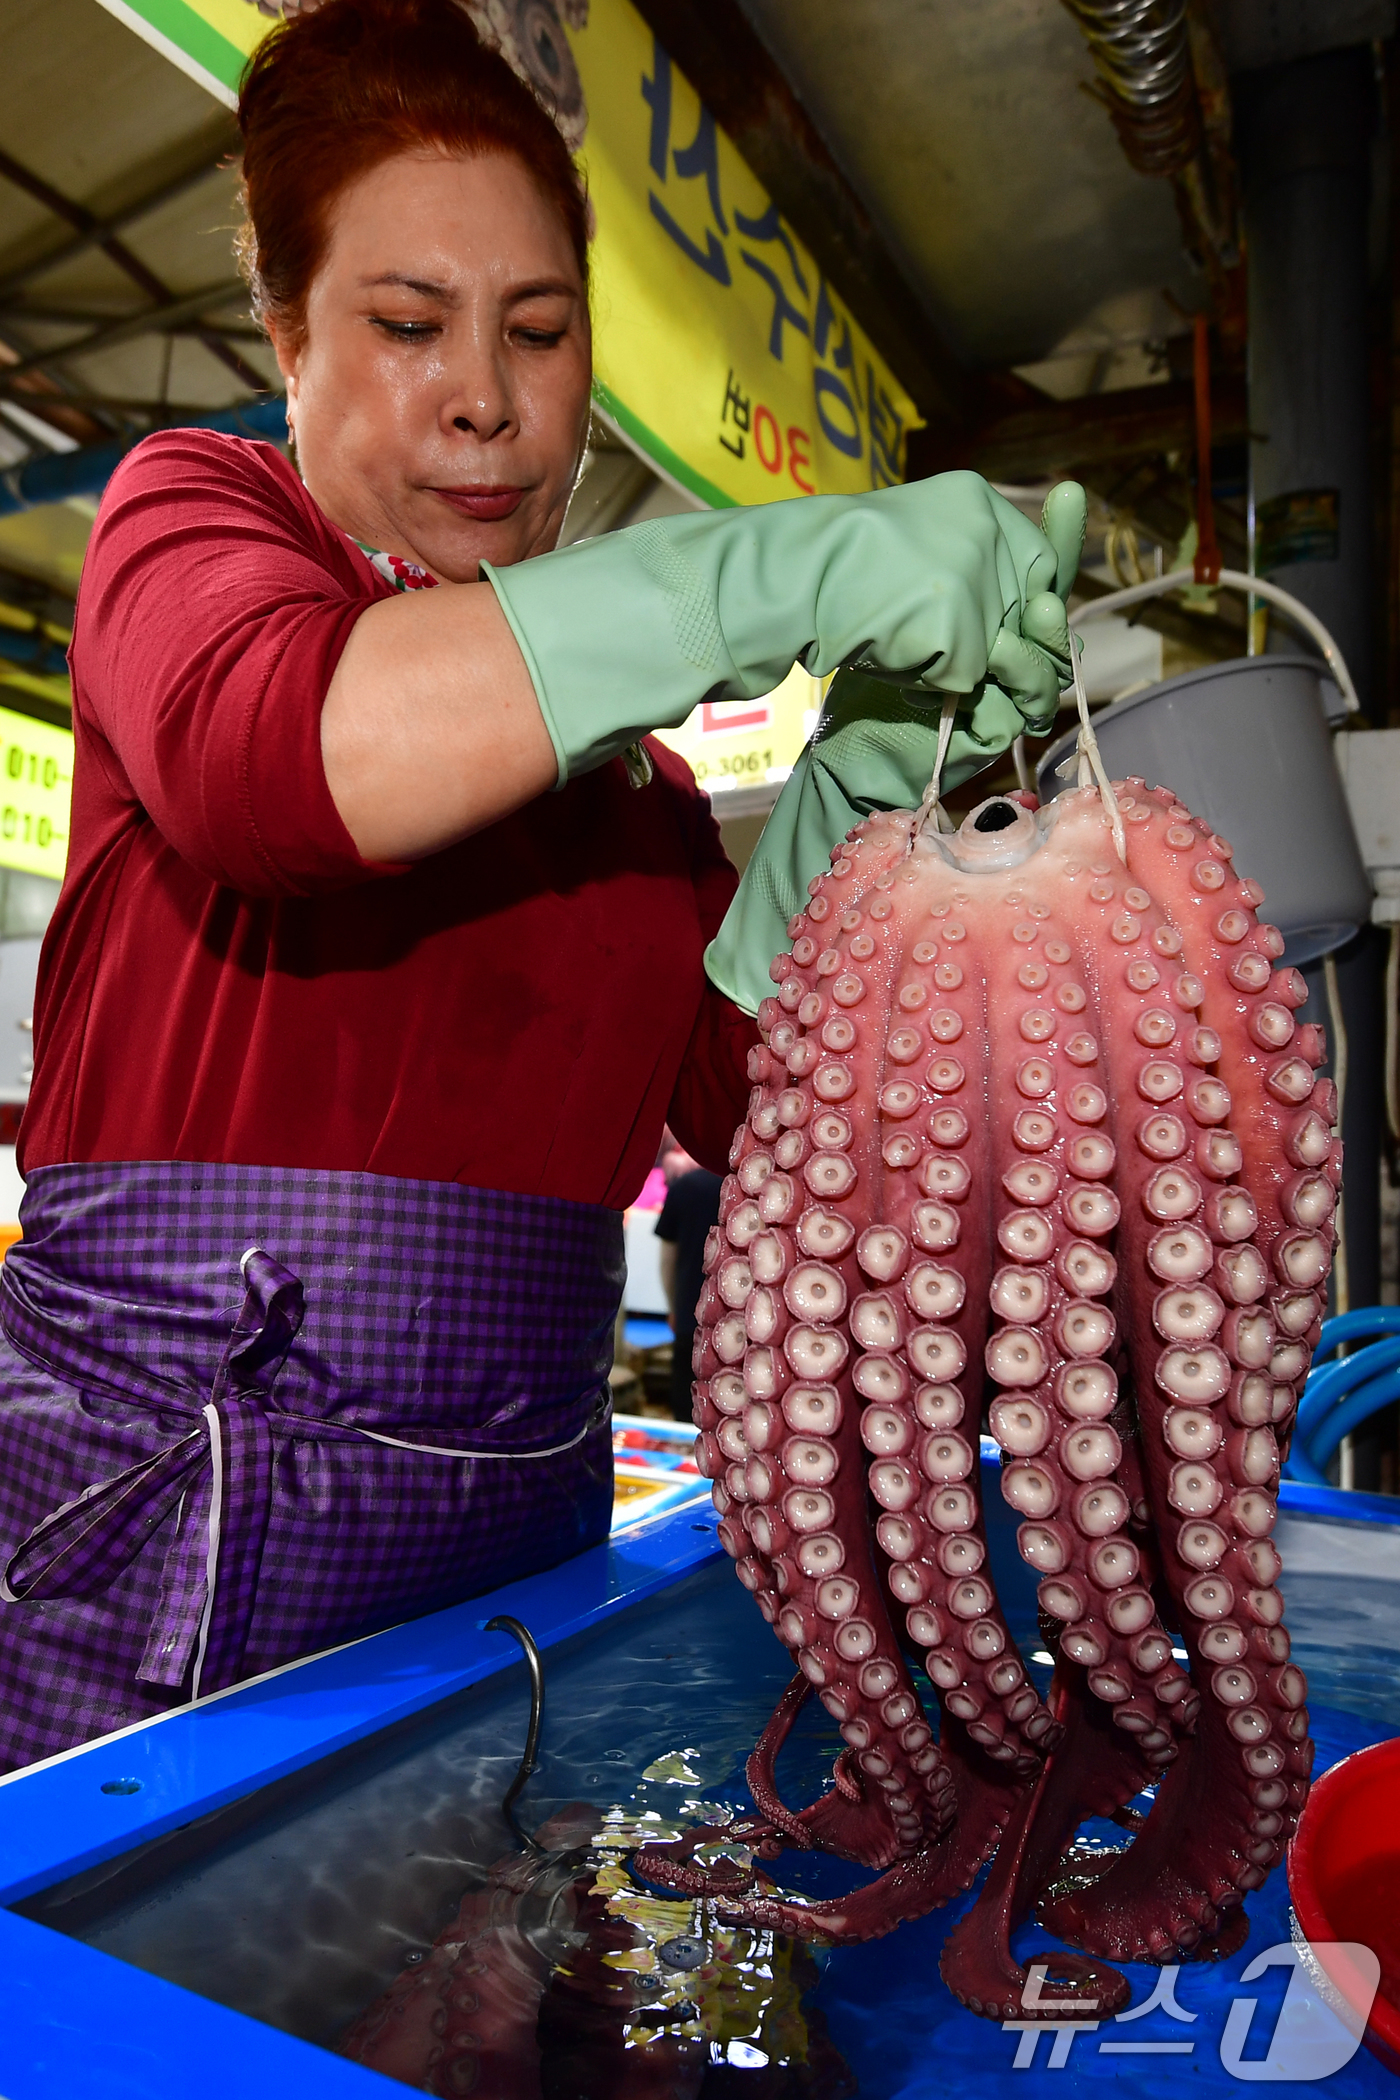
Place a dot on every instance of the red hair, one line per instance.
(333, 92)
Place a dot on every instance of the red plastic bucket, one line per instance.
(1344, 1876)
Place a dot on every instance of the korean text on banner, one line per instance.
(36, 787)
(720, 350)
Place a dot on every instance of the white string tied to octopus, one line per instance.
(1092, 770)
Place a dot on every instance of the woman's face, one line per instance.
(440, 395)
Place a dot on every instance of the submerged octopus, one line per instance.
(1036, 1143)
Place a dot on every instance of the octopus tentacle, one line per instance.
(987, 1798)
(933, 1255)
(1221, 1821)
(759, 1769)
(1059, 1418)
(788, 1449)
(1095, 1772)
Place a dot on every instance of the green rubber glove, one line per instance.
(926, 585)
(874, 748)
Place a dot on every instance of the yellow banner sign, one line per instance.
(720, 349)
(36, 788)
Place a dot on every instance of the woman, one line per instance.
(352, 1037)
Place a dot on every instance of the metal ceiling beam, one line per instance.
(1033, 443)
(150, 320)
(21, 311)
(158, 413)
(87, 223)
(737, 79)
(100, 230)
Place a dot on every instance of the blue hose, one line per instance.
(1346, 1327)
(1298, 1466)
(1328, 1387)
(1342, 1394)
(1375, 1393)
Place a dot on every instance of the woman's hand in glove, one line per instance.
(874, 747)
(443, 715)
(936, 586)
(990, 602)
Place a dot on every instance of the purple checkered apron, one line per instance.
(249, 1412)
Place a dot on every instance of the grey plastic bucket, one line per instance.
(1245, 746)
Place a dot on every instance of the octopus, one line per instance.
(1037, 1142)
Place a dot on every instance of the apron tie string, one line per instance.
(221, 1470)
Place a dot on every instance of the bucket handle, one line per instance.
(1236, 580)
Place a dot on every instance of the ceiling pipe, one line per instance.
(1161, 77)
(87, 471)
(1142, 55)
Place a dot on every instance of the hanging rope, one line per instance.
(1091, 765)
(931, 807)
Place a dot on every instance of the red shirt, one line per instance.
(225, 979)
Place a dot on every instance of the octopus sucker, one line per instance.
(1035, 1142)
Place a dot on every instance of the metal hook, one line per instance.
(528, 1763)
